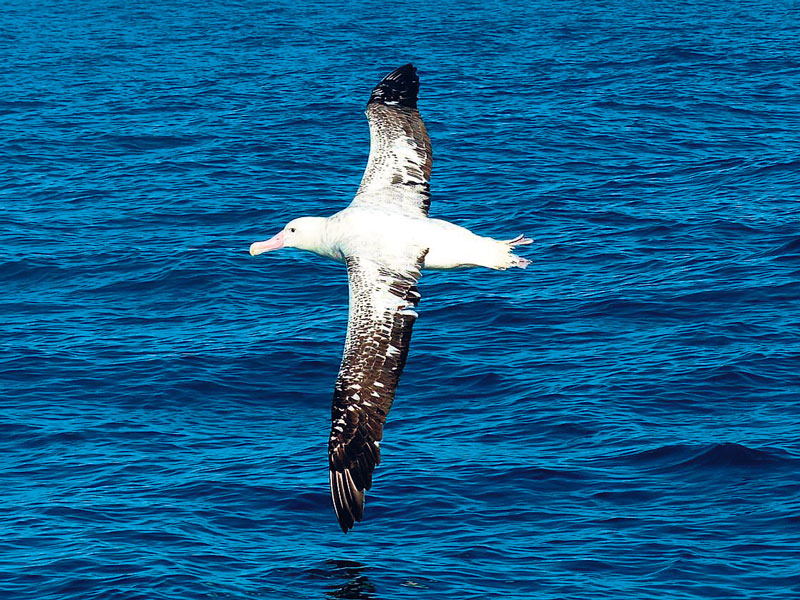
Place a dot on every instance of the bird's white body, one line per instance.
(384, 237)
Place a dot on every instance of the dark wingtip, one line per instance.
(400, 87)
(348, 501)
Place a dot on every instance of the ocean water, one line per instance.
(620, 420)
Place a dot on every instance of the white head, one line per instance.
(304, 233)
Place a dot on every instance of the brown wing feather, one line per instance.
(378, 337)
(400, 159)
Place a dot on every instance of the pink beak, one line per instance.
(272, 243)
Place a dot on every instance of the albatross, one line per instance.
(385, 238)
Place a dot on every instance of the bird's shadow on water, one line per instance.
(356, 585)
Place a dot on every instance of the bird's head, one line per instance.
(303, 233)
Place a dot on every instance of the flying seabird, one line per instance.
(385, 239)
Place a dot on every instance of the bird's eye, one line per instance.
(292, 229)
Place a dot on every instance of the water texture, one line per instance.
(620, 420)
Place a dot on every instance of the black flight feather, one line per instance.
(400, 87)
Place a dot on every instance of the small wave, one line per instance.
(789, 291)
(638, 107)
(150, 142)
(683, 458)
(532, 474)
(732, 455)
(8, 107)
(631, 308)
(676, 54)
(788, 250)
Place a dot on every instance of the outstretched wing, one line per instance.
(382, 303)
(400, 158)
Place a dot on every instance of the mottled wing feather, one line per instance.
(382, 302)
(400, 159)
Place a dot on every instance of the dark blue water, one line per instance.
(620, 420)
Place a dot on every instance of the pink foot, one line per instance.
(520, 262)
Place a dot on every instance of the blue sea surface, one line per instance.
(621, 420)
